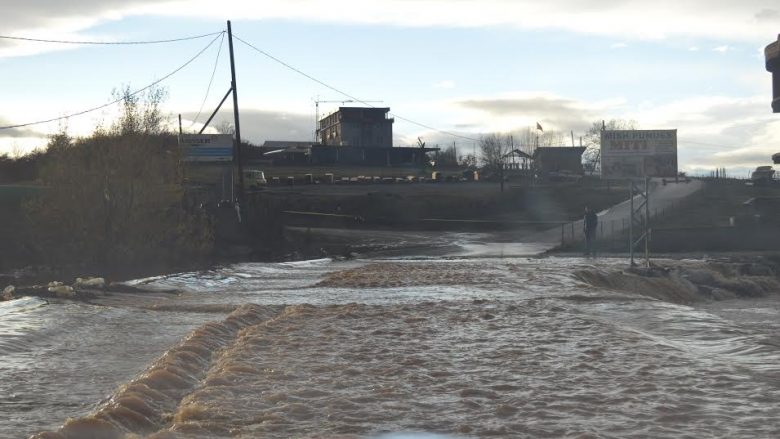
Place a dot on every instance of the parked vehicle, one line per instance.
(254, 179)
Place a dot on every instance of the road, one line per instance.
(612, 221)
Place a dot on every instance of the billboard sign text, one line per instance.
(207, 147)
(638, 153)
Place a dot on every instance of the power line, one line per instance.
(262, 52)
(208, 89)
(173, 40)
(120, 99)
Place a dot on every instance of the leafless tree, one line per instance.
(141, 112)
(448, 157)
(225, 127)
(591, 158)
(528, 139)
(468, 161)
(493, 147)
(116, 198)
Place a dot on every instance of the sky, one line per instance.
(463, 67)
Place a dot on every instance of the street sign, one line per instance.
(638, 153)
(207, 147)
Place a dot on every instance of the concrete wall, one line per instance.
(753, 238)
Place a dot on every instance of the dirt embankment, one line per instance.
(725, 216)
(411, 205)
(686, 282)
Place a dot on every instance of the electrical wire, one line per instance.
(208, 89)
(173, 40)
(117, 100)
(396, 115)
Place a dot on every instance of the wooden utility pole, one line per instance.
(235, 117)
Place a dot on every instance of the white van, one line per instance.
(254, 178)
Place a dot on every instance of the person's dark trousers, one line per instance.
(590, 238)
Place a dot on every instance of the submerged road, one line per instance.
(614, 220)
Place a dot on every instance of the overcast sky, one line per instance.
(467, 67)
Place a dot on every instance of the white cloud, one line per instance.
(718, 131)
(56, 20)
(747, 20)
(721, 49)
(618, 46)
(693, 49)
(738, 133)
(507, 112)
(447, 83)
(19, 146)
(658, 19)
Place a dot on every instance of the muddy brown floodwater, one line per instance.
(488, 347)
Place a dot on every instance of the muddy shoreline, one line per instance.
(687, 281)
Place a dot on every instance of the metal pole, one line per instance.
(501, 163)
(647, 222)
(180, 124)
(562, 233)
(215, 111)
(612, 234)
(235, 116)
(631, 223)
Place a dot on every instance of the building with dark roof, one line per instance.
(553, 160)
(357, 127)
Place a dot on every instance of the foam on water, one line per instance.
(486, 368)
(470, 348)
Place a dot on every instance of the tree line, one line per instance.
(113, 201)
(497, 149)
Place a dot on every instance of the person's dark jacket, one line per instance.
(591, 222)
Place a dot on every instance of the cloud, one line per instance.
(721, 49)
(746, 20)
(554, 111)
(447, 83)
(258, 126)
(718, 131)
(658, 19)
(713, 131)
(618, 46)
(56, 20)
(767, 15)
(16, 132)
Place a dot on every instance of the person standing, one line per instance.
(590, 222)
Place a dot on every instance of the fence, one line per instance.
(610, 232)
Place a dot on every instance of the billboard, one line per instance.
(207, 147)
(638, 153)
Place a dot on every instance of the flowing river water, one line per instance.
(467, 347)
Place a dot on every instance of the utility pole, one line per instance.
(235, 117)
(512, 149)
(501, 162)
(640, 218)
